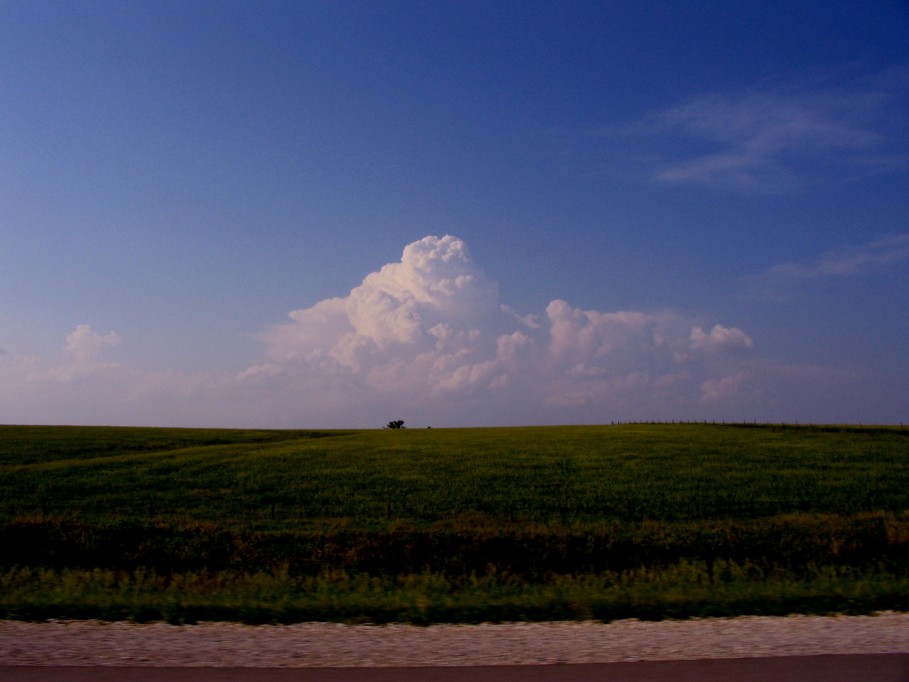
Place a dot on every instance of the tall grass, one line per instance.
(680, 591)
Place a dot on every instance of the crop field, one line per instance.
(452, 525)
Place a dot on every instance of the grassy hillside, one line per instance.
(461, 524)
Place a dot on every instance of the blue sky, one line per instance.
(333, 214)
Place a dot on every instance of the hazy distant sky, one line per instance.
(333, 214)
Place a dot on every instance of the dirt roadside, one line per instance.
(313, 645)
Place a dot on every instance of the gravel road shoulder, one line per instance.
(93, 643)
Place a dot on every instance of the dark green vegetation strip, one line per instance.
(452, 525)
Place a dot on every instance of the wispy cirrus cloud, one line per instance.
(776, 139)
(873, 257)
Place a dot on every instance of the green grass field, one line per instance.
(454, 525)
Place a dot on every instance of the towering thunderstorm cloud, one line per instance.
(426, 339)
(431, 328)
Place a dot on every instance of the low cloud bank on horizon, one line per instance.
(425, 339)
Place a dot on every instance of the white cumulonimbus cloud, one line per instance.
(426, 339)
(430, 330)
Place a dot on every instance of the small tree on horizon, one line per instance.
(399, 424)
